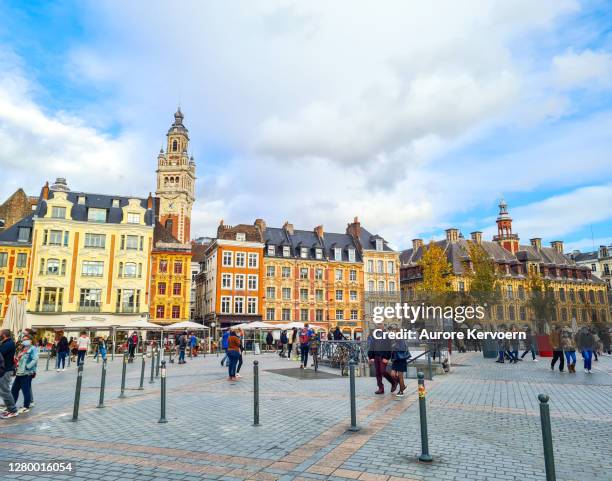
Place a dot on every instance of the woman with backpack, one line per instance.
(26, 361)
(399, 363)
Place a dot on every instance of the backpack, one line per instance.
(304, 336)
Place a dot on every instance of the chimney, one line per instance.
(45, 191)
(476, 237)
(261, 225)
(536, 243)
(150, 201)
(288, 227)
(452, 235)
(558, 246)
(319, 231)
(416, 243)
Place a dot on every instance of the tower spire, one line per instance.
(505, 237)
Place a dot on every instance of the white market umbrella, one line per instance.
(185, 325)
(249, 326)
(10, 319)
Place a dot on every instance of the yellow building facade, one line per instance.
(170, 285)
(91, 253)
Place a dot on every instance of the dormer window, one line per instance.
(58, 212)
(81, 199)
(240, 236)
(271, 251)
(23, 234)
(337, 253)
(133, 218)
(379, 244)
(303, 252)
(285, 251)
(319, 253)
(351, 254)
(115, 203)
(96, 215)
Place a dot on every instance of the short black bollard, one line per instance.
(142, 373)
(151, 381)
(549, 457)
(48, 359)
(77, 393)
(354, 427)
(162, 418)
(123, 369)
(102, 384)
(424, 457)
(255, 393)
(157, 363)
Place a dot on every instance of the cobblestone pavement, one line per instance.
(483, 425)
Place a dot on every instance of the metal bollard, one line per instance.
(77, 393)
(157, 363)
(123, 369)
(142, 373)
(549, 457)
(430, 374)
(162, 418)
(424, 457)
(151, 381)
(48, 359)
(354, 426)
(255, 393)
(102, 384)
(113, 352)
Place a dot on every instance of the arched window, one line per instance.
(174, 145)
(169, 225)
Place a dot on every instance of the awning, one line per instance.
(185, 325)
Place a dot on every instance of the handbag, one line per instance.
(402, 355)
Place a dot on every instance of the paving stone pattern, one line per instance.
(483, 418)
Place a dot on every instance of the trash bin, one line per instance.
(489, 349)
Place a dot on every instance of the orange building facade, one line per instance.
(15, 258)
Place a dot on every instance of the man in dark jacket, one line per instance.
(7, 367)
(379, 354)
(555, 341)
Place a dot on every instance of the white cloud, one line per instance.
(585, 69)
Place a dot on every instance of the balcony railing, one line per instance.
(84, 308)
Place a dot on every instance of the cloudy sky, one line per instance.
(414, 116)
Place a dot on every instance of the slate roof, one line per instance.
(585, 256)
(10, 236)
(228, 232)
(368, 240)
(198, 251)
(78, 211)
(279, 237)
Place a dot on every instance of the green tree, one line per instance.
(437, 271)
(541, 301)
(483, 277)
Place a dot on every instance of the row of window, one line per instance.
(380, 267)
(372, 286)
(510, 313)
(239, 281)
(175, 312)
(240, 259)
(55, 267)
(96, 214)
(238, 305)
(176, 288)
(18, 284)
(50, 299)
(177, 266)
(319, 315)
(94, 241)
(21, 261)
(304, 273)
(304, 294)
(304, 252)
(606, 269)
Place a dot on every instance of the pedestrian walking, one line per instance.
(596, 344)
(292, 340)
(82, 347)
(501, 351)
(586, 344)
(399, 363)
(284, 340)
(224, 344)
(269, 340)
(379, 355)
(63, 350)
(72, 344)
(240, 334)
(530, 343)
(514, 348)
(555, 341)
(132, 345)
(182, 346)
(102, 350)
(338, 336)
(7, 370)
(234, 346)
(569, 348)
(26, 361)
(305, 335)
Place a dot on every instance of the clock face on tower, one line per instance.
(171, 205)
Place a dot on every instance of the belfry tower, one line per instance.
(176, 181)
(505, 237)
